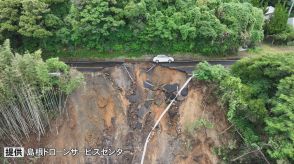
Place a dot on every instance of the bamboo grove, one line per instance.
(31, 93)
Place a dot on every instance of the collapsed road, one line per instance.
(160, 117)
(122, 106)
(185, 66)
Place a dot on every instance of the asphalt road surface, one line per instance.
(186, 66)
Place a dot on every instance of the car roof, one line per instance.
(161, 55)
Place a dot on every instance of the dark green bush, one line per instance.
(208, 27)
(258, 94)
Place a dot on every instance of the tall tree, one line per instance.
(28, 22)
(280, 124)
(31, 22)
(278, 22)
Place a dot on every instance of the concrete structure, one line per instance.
(269, 12)
(291, 22)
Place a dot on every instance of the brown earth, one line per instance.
(112, 111)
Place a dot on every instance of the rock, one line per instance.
(138, 125)
(184, 92)
(180, 98)
(142, 111)
(147, 104)
(170, 96)
(197, 158)
(170, 88)
(134, 97)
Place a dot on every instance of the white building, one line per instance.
(291, 21)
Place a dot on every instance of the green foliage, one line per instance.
(277, 28)
(197, 125)
(54, 65)
(284, 37)
(6, 55)
(31, 19)
(164, 26)
(227, 151)
(264, 73)
(9, 16)
(255, 3)
(280, 125)
(259, 3)
(194, 126)
(69, 85)
(29, 92)
(31, 24)
(29, 68)
(206, 72)
(279, 21)
(208, 27)
(258, 94)
(232, 93)
(97, 19)
(245, 29)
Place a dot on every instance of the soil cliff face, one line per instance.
(116, 109)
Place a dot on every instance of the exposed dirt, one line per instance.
(112, 111)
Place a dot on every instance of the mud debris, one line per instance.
(117, 108)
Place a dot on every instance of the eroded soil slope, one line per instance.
(117, 107)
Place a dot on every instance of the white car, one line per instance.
(163, 58)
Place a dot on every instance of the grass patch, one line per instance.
(95, 54)
(198, 124)
(89, 53)
(266, 48)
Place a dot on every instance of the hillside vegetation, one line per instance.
(208, 27)
(258, 94)
(31, 92)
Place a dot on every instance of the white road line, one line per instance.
(89, 67)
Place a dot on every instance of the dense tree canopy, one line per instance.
(270, 79)
(280, 124)
(258, 93)
(29, 22)
(210, 27)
